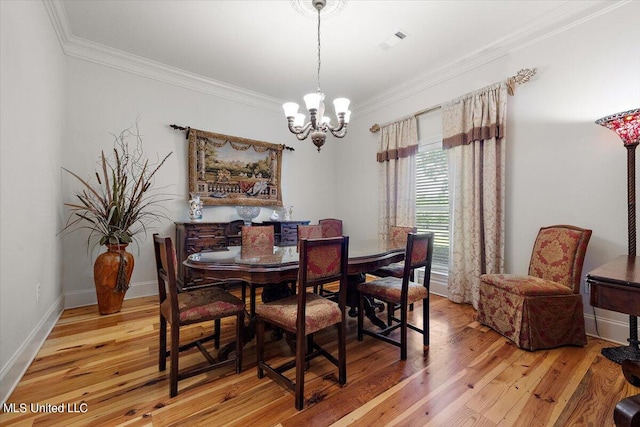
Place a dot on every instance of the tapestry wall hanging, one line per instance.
(229, 170)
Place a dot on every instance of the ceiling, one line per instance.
(269, 47)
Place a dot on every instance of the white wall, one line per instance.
(562, 168)
(102, 100)
(31, 135)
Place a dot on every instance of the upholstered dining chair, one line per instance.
(397, 238)
(543, 309)
(190, 307)
(331, 227)
(257, 235)
(309, 232)
(306, 313)
(400, 292)
(315, 232)
(256, 240)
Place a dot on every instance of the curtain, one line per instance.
(397, 171)
(474, 137)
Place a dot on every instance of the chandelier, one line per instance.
(318, 124)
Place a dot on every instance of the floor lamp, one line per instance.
(627, 126)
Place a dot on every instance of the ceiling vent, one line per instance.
(393, 40)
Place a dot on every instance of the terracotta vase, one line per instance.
(111, 274)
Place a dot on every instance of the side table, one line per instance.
(616, 286)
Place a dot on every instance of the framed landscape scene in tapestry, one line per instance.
(229, 170)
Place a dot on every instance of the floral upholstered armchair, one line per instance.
(543, 309)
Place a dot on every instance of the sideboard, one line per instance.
(196, 236)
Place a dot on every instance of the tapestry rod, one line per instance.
(186, 129)
(521, 77)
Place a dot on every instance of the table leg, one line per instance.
(369, 305)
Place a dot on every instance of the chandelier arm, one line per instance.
(339, 132)
(337, 128)
(303, 135)
(297, 129)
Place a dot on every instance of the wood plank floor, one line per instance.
(105, 369)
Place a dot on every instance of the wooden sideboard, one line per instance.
(286, 232)
(192, 237)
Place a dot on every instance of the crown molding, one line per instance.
(562, 19)
(104, 55)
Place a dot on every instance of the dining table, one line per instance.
(278, 265)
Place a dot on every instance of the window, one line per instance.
(432, 199)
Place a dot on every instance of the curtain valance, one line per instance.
(477, 116)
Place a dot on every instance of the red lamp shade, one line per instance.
(625, 124)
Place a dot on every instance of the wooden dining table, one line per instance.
(259, 269)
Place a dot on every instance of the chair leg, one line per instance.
(300, 362)
(425, 321)
(390, 312)
(162, 350)
(260, 345)
(173, 370)
(342, 353)
(360, 316)
(216, 340)
(403, 332)
(239, 340)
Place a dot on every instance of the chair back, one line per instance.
(166, 262)
(309, 232)
(331, 227)
(398, 236)
(558, 254)
(322, 261)
(258, 235)
(419, 253)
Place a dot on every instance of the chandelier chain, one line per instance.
(318, 50)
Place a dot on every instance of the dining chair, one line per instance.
(543, 309)
(331, 227)
(257, 235)
(309, 232)
(400, 292)
(397, 238)
(306, 313)
(190, 307)
(256, 240)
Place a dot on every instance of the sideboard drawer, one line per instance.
(205, 244)
(204, 232)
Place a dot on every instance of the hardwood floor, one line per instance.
(105, 369)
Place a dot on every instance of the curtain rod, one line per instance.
(186, 131)
(521, 77)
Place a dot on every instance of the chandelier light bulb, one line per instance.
(299, 120)
(341, 105)
(290, 109)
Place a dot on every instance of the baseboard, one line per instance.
(13, 371)
(608, 329)
(88, 297)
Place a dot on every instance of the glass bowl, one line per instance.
(248, 213)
